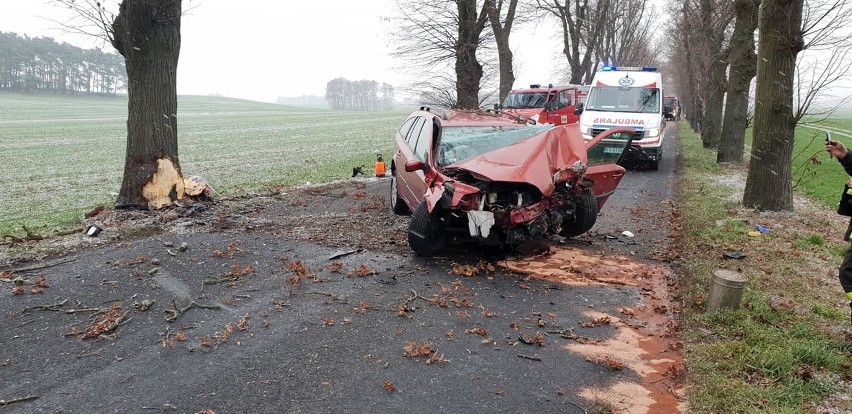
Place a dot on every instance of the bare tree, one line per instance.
(743, 67)
(147, 34)
(826, 56)
(715, 17)
(502, 28)
(436, 36)
(769, 181)
(583, 23)
(629, 39)
(682, 62)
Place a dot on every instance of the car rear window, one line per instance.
(459, 143)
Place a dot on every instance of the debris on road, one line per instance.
(342, 253)
(93, 230)
(107, 322)
(143, 305)
(4, 403)
(197, 188)
(175, 312)
(48, 307)
(738, 254)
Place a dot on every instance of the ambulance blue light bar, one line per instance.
(610, 68)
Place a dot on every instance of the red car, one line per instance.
(492, 177)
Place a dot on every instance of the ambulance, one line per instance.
(627, 97)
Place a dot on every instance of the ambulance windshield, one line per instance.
(624, 99)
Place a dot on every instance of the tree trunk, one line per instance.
(769, 182)
(743, 67)
(711, 122)
(501, 36)
(147, 34)
(713, 62)
(468, 68)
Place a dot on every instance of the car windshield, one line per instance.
(621, 99)
(522, 100)
(459, 143)
(670, 101)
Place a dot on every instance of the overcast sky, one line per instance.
(262, 49)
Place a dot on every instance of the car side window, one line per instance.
(570, 97)
(411, 138)
(403, 130)
(421, 150)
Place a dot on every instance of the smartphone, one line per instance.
(828, 140)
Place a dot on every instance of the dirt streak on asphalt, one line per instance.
(645, 341)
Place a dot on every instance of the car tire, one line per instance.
(424, 234)
(585, 215)
(397, 203)
(655, 165)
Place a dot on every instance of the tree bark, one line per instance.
(714, 92)
(714, 60)
(468, 68)
(743, 67)
(147, 34)
(501, 36)
(769, 182)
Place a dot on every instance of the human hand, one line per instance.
(837, 149)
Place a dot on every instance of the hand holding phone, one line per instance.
(828, 140)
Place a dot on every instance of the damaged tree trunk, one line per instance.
(147, 34)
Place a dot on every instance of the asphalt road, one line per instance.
(277, 325)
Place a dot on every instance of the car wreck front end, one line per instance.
(507, 183)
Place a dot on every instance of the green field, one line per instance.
(62, 156)
(815, 172)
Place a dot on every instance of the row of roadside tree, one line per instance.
(41, 65)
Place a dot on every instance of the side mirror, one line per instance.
(579, 109)
(414, 165)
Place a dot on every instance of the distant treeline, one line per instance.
(363, 95)
(40, 65)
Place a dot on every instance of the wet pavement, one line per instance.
(309, 301)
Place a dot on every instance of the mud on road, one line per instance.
(309, 300)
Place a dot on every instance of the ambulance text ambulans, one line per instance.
(630, 97)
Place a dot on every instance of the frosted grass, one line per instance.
(62, 156)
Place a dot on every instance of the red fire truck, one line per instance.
(550, 104)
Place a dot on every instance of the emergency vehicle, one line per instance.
(545, 105)
(627, 97)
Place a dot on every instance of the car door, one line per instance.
(561, 110)
(604, 153)
(412, 185)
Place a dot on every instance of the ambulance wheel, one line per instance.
(655, 165)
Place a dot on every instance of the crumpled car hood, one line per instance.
(533, 160)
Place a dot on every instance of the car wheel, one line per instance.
(655, 165)
(585, 215)
(425, 236)
(397, 203)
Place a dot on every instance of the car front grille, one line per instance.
(636, 136)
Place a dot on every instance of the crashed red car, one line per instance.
(487, 176)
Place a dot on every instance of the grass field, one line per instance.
(815, 172)
(62, 156)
